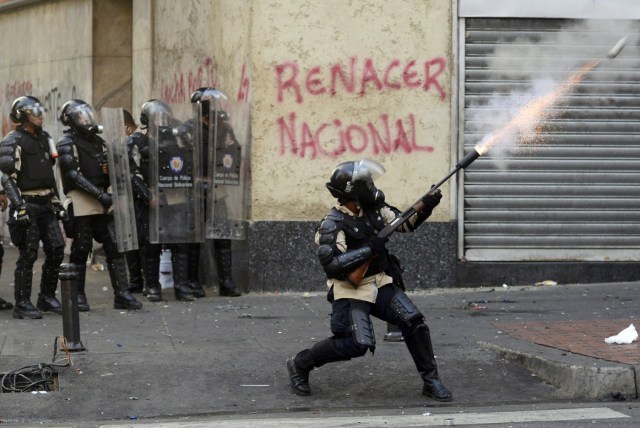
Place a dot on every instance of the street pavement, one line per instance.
(225, 357)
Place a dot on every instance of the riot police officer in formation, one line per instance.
(154, 115)
(222, 247)
(85, 178)
(347, 238)
(133, 257)
(27, 155)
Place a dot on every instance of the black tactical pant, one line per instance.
(43, 226)
(87, 228)
(351, 324)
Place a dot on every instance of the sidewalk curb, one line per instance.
(579, 381)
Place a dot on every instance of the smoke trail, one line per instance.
(546, 63)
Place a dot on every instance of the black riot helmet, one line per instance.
(203, 96)
(80, 115)
(26, 106)
(353, 180)
(155, 113)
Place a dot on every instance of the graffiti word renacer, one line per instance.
(357, 79)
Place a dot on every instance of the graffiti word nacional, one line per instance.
(331, 139)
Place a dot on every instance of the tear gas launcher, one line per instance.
(355, 276)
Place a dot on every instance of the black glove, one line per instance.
(377, 244)
(105, 200)
(59, 211)
(22, 214)
(431, 201)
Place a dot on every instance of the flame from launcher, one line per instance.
(525, 126)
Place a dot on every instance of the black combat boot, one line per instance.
(136, 283)
(48, 283)
(419, 344)
(301, 365)
(193, 271)
(180, 264)
(83, 303)
(299, 368)
(222, 248)
(123, 299)
(151, 269)
(23, 307)
(4, 305)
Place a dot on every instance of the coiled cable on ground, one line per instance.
(37, 377)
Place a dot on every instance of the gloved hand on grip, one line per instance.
(22, 214)
(105, 200)
(377, 244)
(431, 201)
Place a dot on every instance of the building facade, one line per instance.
(413, 84)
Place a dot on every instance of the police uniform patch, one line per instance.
(176, 163)
(227, 161)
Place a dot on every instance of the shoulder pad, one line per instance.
(11, 138)
(66, 140)
(327, 226)
(335, 215)
(328, 232)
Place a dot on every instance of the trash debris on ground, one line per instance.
(97, 267)
(476, 306)
(626, 336)
(546, 282)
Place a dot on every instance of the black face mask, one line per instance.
(368, 195)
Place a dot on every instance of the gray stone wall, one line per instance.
(282, 256)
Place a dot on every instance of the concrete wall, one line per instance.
(343, 80)
(90, 59)
(47, 59)
(310, 85)
(393, 105)
(112, 50)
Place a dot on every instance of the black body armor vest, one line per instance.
(359, 230)
(91, 156)
(35, 162)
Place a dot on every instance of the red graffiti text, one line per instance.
(185, 82)
(359, 78)
(245, 86)
(331, 139)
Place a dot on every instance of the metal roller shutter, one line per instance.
(575, 194)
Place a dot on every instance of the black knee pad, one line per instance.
(55, 256)
(362, 329)
(404, 308)
(29, 256)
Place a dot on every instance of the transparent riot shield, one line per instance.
(120, 179)
(227, 136)
(176, 214)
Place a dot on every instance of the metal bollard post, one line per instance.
(70, 314)
(393, 334)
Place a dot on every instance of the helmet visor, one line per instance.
(212, 94)
(83, 115)
(367, 170)
(159, 114)
(35, 110)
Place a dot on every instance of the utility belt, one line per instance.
(38, 200)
